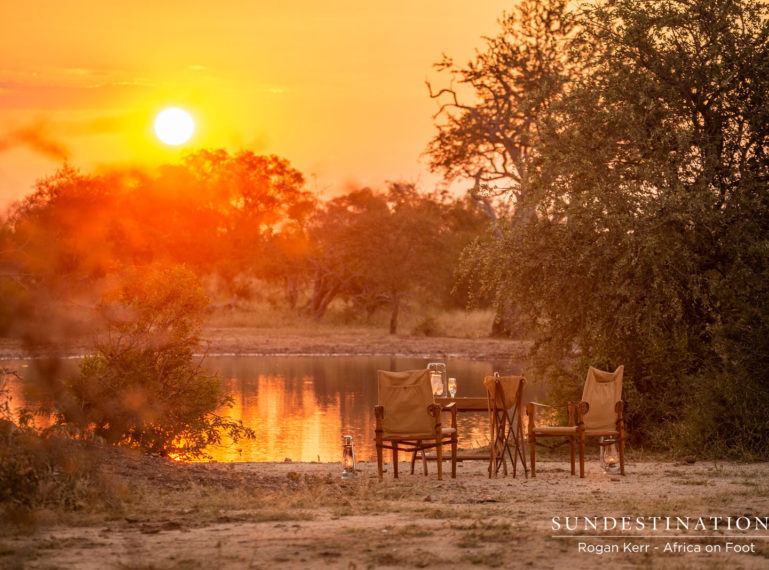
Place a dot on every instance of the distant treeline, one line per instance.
(243, 218)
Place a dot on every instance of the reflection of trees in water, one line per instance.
(301, 406)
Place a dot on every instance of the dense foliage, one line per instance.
(40, 467)
(380, 249)
(144, 387)
(649, 246)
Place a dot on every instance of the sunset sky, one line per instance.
(336, 87)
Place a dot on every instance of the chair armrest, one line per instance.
(563, 407)
(452, 409)
(530, 407)
(581, 407)
(531, 411)
(434, 410)
(570, 407)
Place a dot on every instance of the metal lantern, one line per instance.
(438, 379)
(348, 458)
(609, 456)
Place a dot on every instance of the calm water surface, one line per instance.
(301, 406)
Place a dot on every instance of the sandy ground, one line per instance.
(302, 515)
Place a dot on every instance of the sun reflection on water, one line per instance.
(300, 407)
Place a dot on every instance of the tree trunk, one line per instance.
(396, 302)
(324, 291)
(506, 322)
(291, 288)
(325, 300)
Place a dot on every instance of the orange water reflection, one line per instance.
(288, 418)
(300, 407)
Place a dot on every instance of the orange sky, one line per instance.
(336, 87)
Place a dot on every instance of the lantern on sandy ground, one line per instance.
(609, 456)
(348, 458)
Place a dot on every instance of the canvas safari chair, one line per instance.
(597, 415)
(505, 396)
(407, 418)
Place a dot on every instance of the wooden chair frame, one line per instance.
(418, 443)
(576, 435)
(506, 423)
(568, 432)
(616, 436)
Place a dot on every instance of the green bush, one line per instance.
(143, 387)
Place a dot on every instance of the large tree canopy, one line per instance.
(648, 247)
(488, 117)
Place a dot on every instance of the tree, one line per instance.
(219, 213)
(489, 124)
(379, 248)
(59, 231)
(263, 209)
(649, 245)
(489, 138)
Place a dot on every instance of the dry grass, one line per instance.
(262, 314)
(304, 515)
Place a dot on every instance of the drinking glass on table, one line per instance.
(452, 386)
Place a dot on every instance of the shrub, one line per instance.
(41, 468)
(143, 387)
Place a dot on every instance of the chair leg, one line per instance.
(454, 455)
(502, 438)
(621, 455)
(379, 459)
(414, 458)
(491, 460)
(581, 454)
(395, 459)
(572, 445)
(521, 440)
(512, 448)
(492, 439)
(493, 450)
(439, 454)
(532, 453)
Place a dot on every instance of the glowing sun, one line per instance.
(174, 126)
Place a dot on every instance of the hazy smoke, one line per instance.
(37, 138)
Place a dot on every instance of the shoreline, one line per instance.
(232, 341)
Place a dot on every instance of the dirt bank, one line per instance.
(346, 342)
